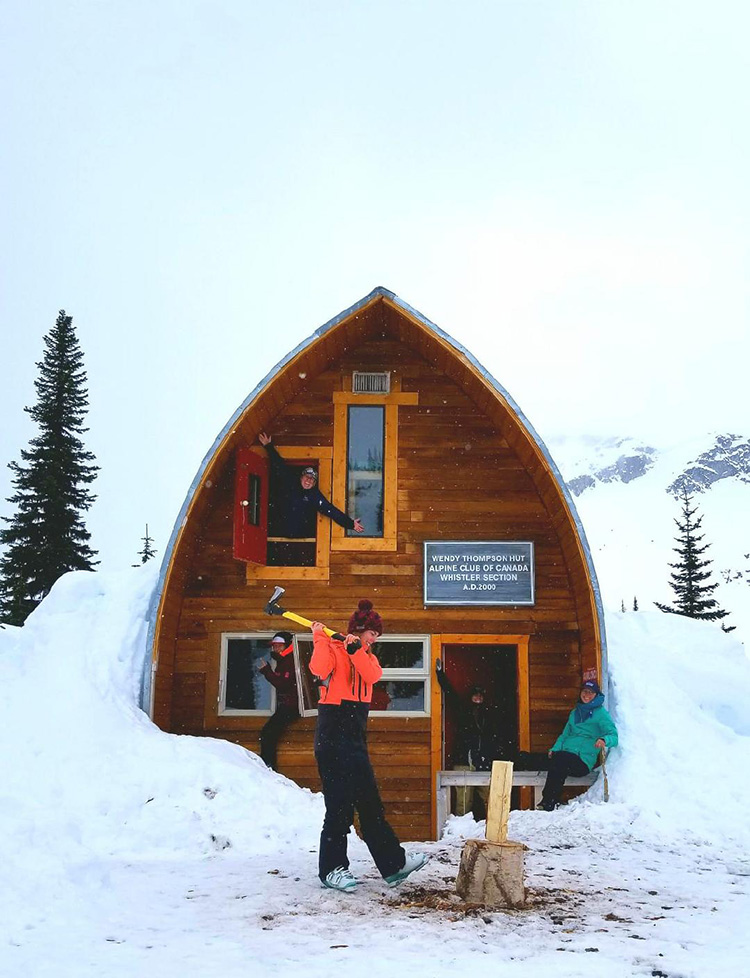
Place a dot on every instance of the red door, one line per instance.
(251, 506)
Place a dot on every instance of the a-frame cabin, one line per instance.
(472, 553)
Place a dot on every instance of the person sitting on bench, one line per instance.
(575, 752)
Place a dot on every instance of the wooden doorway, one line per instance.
(489, 661)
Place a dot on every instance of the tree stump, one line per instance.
(491, 873)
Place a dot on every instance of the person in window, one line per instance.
(284, 681)
(479, 742)
(302, 498)
(349, 670)
(575, 752)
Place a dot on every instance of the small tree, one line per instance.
(147, 551)
(690, 574)
(635, 604)
(46, 535)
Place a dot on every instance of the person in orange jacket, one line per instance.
(348, 671)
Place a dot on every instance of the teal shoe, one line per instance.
(414, 861)
(340, 879)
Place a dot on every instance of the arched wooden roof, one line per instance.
(378, 309)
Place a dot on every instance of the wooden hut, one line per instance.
(472, 553)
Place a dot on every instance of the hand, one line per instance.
(358, 526)
(264, 439)
(600, 744)
(550, 753)
(438, 665)
(354, 640)
(317, 628)
(262, 664)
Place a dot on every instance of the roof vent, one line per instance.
(371, 383)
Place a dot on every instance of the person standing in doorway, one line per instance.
(589, 730)
(478, 743)
(284, 681)
(348, 671)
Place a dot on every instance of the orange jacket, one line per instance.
(351, 676)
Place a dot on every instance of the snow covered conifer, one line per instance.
(147, 551)
(46, 536)
(690, 574)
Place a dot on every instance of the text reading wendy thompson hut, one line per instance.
(378, 461)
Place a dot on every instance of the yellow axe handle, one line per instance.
(306, 621)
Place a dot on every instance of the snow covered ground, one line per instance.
(128, 851)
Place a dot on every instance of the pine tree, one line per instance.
(622, 604)
(690, 575)
(635, 604)
(46, 535)
(147, 552)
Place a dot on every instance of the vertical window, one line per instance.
(364, 468)
(243, 690)
(253, 501)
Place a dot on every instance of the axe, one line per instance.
(274, 608)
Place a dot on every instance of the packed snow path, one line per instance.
(594, 910)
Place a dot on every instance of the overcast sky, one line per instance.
(561, 186)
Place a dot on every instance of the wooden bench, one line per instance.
(481, 779)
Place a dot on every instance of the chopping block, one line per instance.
(491, 870)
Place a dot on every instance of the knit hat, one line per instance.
(365, 618)
(591, 684)
(285, 637)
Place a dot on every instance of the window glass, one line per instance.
(306, 681)
(244, 687)
(399, 696)
(400, 653)
(364, 468)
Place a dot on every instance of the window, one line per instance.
(364, 468)
(274, 556)
(242, 689)
(404, 689)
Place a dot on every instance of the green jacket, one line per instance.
(579, 738)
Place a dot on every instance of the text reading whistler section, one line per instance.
(478, 572)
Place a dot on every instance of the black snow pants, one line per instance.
(563, 764)
(272, 731)
(348, 786)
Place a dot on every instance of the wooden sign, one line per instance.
(484, 572)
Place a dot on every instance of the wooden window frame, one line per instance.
(221, 708)
(436, 724)
(342, 401)
(323, 455)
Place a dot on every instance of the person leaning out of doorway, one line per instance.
(284, 681)
(349, 670)
(302, 498)
(589, 730)
(479, 742)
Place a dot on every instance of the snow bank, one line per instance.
(680, 694)
(84, 773)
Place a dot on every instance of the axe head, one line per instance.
(272, 608)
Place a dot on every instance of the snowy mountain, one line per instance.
(626, 493)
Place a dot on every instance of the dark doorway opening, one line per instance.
(283, 550)
(494, 668)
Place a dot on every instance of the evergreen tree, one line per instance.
(690, 574)
(622, 604)
(147, 551)
(46, 536)
(635, 604)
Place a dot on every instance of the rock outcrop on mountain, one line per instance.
(728, 458)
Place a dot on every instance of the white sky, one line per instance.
(561, 186)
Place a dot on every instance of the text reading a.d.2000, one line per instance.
(479, 572)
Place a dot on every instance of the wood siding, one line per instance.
(465, 472)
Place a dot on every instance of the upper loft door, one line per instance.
(251, 506)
